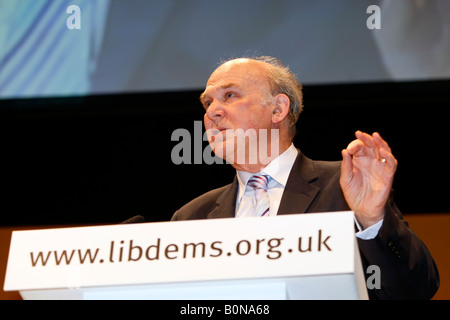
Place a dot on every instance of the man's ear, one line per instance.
(281, 108)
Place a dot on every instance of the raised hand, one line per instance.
(367, 174)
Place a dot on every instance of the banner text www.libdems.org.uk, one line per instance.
(130, 251)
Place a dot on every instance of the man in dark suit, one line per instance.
(261, 96)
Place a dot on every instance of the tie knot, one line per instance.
(259, 181)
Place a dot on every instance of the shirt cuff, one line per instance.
(369, 233)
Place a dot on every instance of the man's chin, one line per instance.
(220, 151)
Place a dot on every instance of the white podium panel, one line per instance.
(302, 256)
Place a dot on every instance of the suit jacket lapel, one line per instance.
(226, 202)
(299, 191)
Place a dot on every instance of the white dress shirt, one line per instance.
(279, 170)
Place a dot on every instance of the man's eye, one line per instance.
(229, 95)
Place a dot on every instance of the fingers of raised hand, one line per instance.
(387, 158)
(373, 146)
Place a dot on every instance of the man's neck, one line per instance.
(260, 165)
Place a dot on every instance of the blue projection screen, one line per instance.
(80, 47)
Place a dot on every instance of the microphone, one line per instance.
(135, 219)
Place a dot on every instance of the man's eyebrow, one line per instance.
(222, 87)
(202, 96)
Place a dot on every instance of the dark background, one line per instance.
(103, 159)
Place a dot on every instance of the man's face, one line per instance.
(234, 98)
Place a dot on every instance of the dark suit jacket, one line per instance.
(407, 269)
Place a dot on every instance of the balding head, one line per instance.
(280, 80)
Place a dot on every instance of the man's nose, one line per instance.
(215, 112)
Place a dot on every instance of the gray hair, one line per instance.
(282, 80)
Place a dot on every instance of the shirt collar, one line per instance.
(278, 169)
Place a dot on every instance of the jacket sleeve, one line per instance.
(407, 268)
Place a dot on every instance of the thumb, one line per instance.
(346, 168)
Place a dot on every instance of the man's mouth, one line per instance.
(218, 134)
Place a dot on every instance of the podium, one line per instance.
(298, 256)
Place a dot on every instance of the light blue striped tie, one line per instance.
(259, 183)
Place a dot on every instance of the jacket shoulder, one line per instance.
(201, 206)
(327, 168)
(320, 172)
